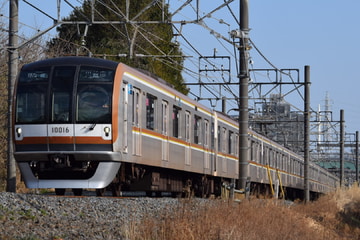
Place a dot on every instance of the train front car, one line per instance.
(63, 131)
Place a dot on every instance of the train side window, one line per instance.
(212, 135)
(230, 143)
(176, 121)
(125, 103)
(164, 114)
(270, 157)
(136, 107)
(236, 144)
(253, 151)
(197, 130)
(150, 111)
(219, 138)
(224, 140)
(187, 126)
(206, 133)
(266, 155)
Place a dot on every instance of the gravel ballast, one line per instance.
(31, 216)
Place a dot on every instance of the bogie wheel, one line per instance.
(116, 185)
(116, 189)
(60, 191)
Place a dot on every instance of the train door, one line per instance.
(165, 130)
(60, 128)
(188, 138)
(136, 119)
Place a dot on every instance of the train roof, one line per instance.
(73, 61)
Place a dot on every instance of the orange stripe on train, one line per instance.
(32, 140)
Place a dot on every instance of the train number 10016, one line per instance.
(60, 130)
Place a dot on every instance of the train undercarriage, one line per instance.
(155, 181)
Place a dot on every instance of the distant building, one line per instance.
(277, 122)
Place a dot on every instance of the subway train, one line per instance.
(88, 123)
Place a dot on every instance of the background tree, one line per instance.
(147, 46)
(3, 101)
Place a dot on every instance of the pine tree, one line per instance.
(129, 37)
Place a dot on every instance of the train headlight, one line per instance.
(107, 131)
(18, 131)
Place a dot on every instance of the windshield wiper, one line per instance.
(92, 126)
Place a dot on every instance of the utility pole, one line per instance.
(13, 67)
(244, 98)
(342, 146)
(306, 133)
(357, 157)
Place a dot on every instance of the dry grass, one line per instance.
(334, 216)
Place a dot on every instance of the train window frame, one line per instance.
(151, 111)
(197, 129)
(165, 117)
(165, 128)
(270, 157)
(252, 150)
(212, 140)
(125, 106)
(219, 134)
(176, 119)
(265, 156)
(187, 126)
(236, 146)
(230, 142)
(206, 133)
(224, 132)
(136, 109)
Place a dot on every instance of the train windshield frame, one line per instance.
(70, 94)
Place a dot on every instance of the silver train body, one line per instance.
(92, 123)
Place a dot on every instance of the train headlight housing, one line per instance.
(18, 131)
(106, 131)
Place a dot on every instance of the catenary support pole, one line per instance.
(342, 146)
(357, 157)
(306, 132)
(243, 98)
(13, 67)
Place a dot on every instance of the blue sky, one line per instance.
(322, 34)
(291, 34)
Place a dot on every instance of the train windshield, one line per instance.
(31, 96)
(93, 98)
(67, 99)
